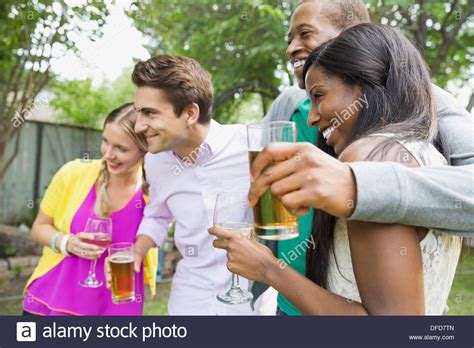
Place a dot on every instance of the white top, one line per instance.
(440, 252)
(186, 192)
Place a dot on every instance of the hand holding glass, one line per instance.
(121, 258)
(272, 220)
(101, 228)
(231, 213)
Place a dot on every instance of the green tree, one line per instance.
(80, 103)
(243, 42)
(34, 31)
(442, 32)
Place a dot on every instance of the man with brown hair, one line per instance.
(191, 158)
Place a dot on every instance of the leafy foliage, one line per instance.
(82, 104)
(37, 30)
(241, 43)
(442, 31)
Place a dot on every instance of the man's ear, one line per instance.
(192, 114)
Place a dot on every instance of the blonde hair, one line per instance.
(124, 116)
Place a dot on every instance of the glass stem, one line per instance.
(92, 270)
(235, 281)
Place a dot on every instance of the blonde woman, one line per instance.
(113, 187)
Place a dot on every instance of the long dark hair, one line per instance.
(396, 83)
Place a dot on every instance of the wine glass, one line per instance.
(231, 212)
(101, 228)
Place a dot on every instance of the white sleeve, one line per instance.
(156, 219)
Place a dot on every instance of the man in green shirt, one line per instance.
(312, 23)
(293, 251)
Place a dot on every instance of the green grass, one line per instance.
(159, 304)
(461, 297)
(460, 301)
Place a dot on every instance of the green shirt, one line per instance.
(293, 251)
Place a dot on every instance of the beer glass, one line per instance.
(121, 257)
(231, 213)
(101, 228)
(272, 220)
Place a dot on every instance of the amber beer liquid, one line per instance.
(123, 277)
(272, 219)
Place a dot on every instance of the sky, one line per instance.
(108, 56)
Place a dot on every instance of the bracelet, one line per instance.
(63, 246)
(52, 242)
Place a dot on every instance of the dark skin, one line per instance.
(386, 258)
(306, 176)
(309, 28)
(328, 184)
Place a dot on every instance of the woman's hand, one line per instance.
(305, 177)
(76, 246)
(245, 257)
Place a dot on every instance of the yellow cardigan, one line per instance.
(64, 196)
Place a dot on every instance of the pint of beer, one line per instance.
(121, 257)
(272, 220)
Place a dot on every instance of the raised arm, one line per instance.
(367, 191)
(443, 199)
(385, 190)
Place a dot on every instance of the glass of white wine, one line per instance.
(232, 213)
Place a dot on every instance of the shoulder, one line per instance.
(292, 95)
(292, 92)
(446, 104)
(232, 128)
(225, 134)
(80, 167)
(286, 103)
(154, 160)
(378, 149)
(442, 96)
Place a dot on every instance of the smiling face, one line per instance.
(120, 152)
(156, 119)
(335, 106)
(309, 29)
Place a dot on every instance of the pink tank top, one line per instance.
(58, 292)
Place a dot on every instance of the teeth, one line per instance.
(328, 132)
(297, 63)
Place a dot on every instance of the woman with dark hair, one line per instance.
(115, 188)
(371, 99)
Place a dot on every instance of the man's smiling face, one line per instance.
(309, 28)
